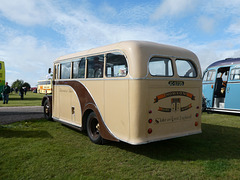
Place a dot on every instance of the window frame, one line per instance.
(61, 64)
(191, 62)
(79, 59)
(162, 57)
(87, 67)
(207, 73)
(105, 68)
(234, 69)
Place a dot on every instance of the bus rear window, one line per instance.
(185, 68)
(160, 67)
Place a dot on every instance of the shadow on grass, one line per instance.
(216, 142)
(25, 98)
(6, 133)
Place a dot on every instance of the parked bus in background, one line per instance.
(132, 91)
(2, 77)
(221, 84)
(44, 86)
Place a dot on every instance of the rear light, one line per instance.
(197, 114)
(196, 123)
(150, 121)
(149, 130)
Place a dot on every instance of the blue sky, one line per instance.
(35, 32)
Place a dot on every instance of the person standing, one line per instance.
(6, 91)
(25, 91)
(21, 91)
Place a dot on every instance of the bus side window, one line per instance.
(95, 66)
(209, 76)
(185, 68)
(235, 74)
(160, 67)
(65, 69)
(116, 65)
(79, 68)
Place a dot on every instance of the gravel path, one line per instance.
(13, 114)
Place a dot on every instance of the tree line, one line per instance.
(19, 84)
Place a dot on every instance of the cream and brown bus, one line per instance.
(132, 91)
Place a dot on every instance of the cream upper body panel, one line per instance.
(138, 54)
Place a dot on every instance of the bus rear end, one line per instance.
(174, 98)
(170, 100)
(174, 111)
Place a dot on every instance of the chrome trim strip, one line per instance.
(66, 122)
(162, 139)
(224, 110)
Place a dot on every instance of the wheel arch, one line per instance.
(84, 118)
(104, 131)
(49, 98)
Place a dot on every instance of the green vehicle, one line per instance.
(2, 77)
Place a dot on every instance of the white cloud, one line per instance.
(221, 8)
(214, 51)
(26, 58)
(26, 12)
(234, 28)
(174, 8)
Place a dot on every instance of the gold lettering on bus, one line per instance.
(175, 102)
(174, 93)
(173, 119)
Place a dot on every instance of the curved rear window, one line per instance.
(160, 66)
(186, 68)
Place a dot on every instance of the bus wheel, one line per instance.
(47, 113)
(93, 129)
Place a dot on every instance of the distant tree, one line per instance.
(27, 85)
(17, 84)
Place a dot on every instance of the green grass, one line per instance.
(31, 99)
(40, 149)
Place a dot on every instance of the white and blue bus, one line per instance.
(221, 86)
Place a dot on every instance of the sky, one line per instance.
(33, 33)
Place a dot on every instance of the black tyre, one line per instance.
(93, 129)
(47, 110)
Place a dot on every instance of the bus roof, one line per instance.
(139, 53)
(44, 80)
(225, 62)
(130, 46)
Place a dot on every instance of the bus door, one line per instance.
(208, 86)
(220, 87)
(232, 98)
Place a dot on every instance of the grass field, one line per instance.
(41, 149)
(31, 99)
